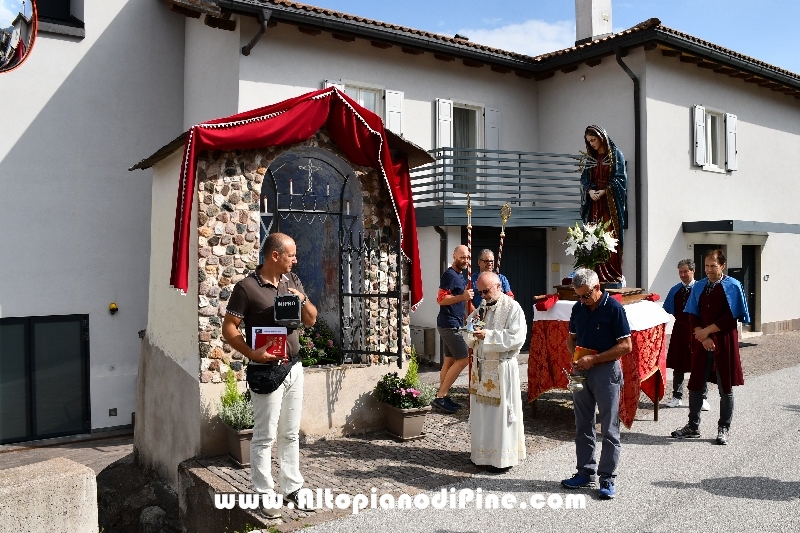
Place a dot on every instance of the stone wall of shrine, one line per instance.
(229, 189)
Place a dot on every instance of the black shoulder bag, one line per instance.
(264, 379)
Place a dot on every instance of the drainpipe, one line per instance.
(263, 18)
(442, 248)
(637, 181)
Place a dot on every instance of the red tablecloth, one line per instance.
(549, 356)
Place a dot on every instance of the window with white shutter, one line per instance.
(491, 125)
(394, 111)
(714, 139)
(731, 159)
(699, 135)
(491, 141)
(329, 83)
(444, 123)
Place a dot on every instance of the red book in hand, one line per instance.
(274, 338)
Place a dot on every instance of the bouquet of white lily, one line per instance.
(591, 245)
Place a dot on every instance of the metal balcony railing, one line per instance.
(527, 180)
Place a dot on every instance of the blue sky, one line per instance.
(9, 10)
(766, 30)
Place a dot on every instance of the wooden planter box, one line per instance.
(239, 444)
(405, 424)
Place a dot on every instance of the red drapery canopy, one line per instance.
(357, 131)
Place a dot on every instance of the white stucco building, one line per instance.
(110, 81)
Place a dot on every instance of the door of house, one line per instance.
(44, 377)
(524, 262)
(747, 277)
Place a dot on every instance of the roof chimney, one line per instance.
(592, 20)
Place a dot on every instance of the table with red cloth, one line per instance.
(643, 369)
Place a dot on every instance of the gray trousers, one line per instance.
(601, 390)
(696, 399)
(677, 386)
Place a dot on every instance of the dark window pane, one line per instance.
(58, 377)
(13, 399)
(53, 9)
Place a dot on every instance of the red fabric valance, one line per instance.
(357, 131)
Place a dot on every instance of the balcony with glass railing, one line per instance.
(543, 189)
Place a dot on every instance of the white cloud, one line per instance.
(532, 37)
(9, 10)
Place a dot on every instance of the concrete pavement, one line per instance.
(753, 484)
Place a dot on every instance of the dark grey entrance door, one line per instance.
(747, 277)
(700, 251)
(44, 377)
(524, 262)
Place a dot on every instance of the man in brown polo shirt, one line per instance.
(277, 413)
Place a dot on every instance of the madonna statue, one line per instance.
(604, 184)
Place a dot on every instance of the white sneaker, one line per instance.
(674, 402)
(706, 406)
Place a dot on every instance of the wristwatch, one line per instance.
(304, 301)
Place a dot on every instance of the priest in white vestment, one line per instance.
(496, 333)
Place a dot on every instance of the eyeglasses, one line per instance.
(484, 292)
(585, 296)
(486, 260)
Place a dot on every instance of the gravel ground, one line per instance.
(664, 484)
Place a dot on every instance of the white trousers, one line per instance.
(277, 417)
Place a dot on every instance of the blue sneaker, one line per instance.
(577, 481)
(454, 405)
(606, 491)
(441, 403)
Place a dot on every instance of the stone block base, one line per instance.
(54, 495)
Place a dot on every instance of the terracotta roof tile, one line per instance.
(413, 31)
(655, 23)
(542, 59)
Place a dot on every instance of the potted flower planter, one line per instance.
(405, 424)
(239, 444)
(236, 413)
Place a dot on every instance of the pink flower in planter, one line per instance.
(330, 342)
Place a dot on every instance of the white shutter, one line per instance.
(394, 111)
(330, 83)
(699, 135)
(444, 137)
(731, 158)
(491, 124)
(444, 123)
(491, 141)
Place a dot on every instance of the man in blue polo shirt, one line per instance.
(598, 323)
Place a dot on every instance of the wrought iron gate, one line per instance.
(307, 187)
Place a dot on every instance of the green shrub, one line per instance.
(236, 409)
(407, 392)
(317, 345)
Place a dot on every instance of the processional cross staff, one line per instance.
(505, 214)
(469, 286)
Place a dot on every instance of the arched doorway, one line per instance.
(346, 268)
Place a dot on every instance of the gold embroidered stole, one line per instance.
(485, 377)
